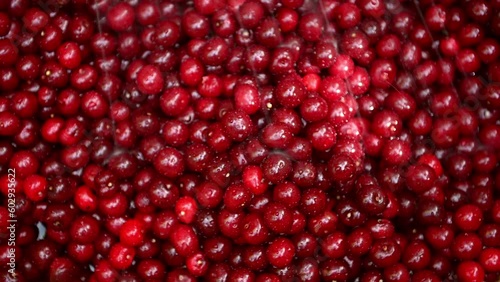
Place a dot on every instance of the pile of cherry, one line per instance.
(257, 140)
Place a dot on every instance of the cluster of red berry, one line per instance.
(250, 140)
